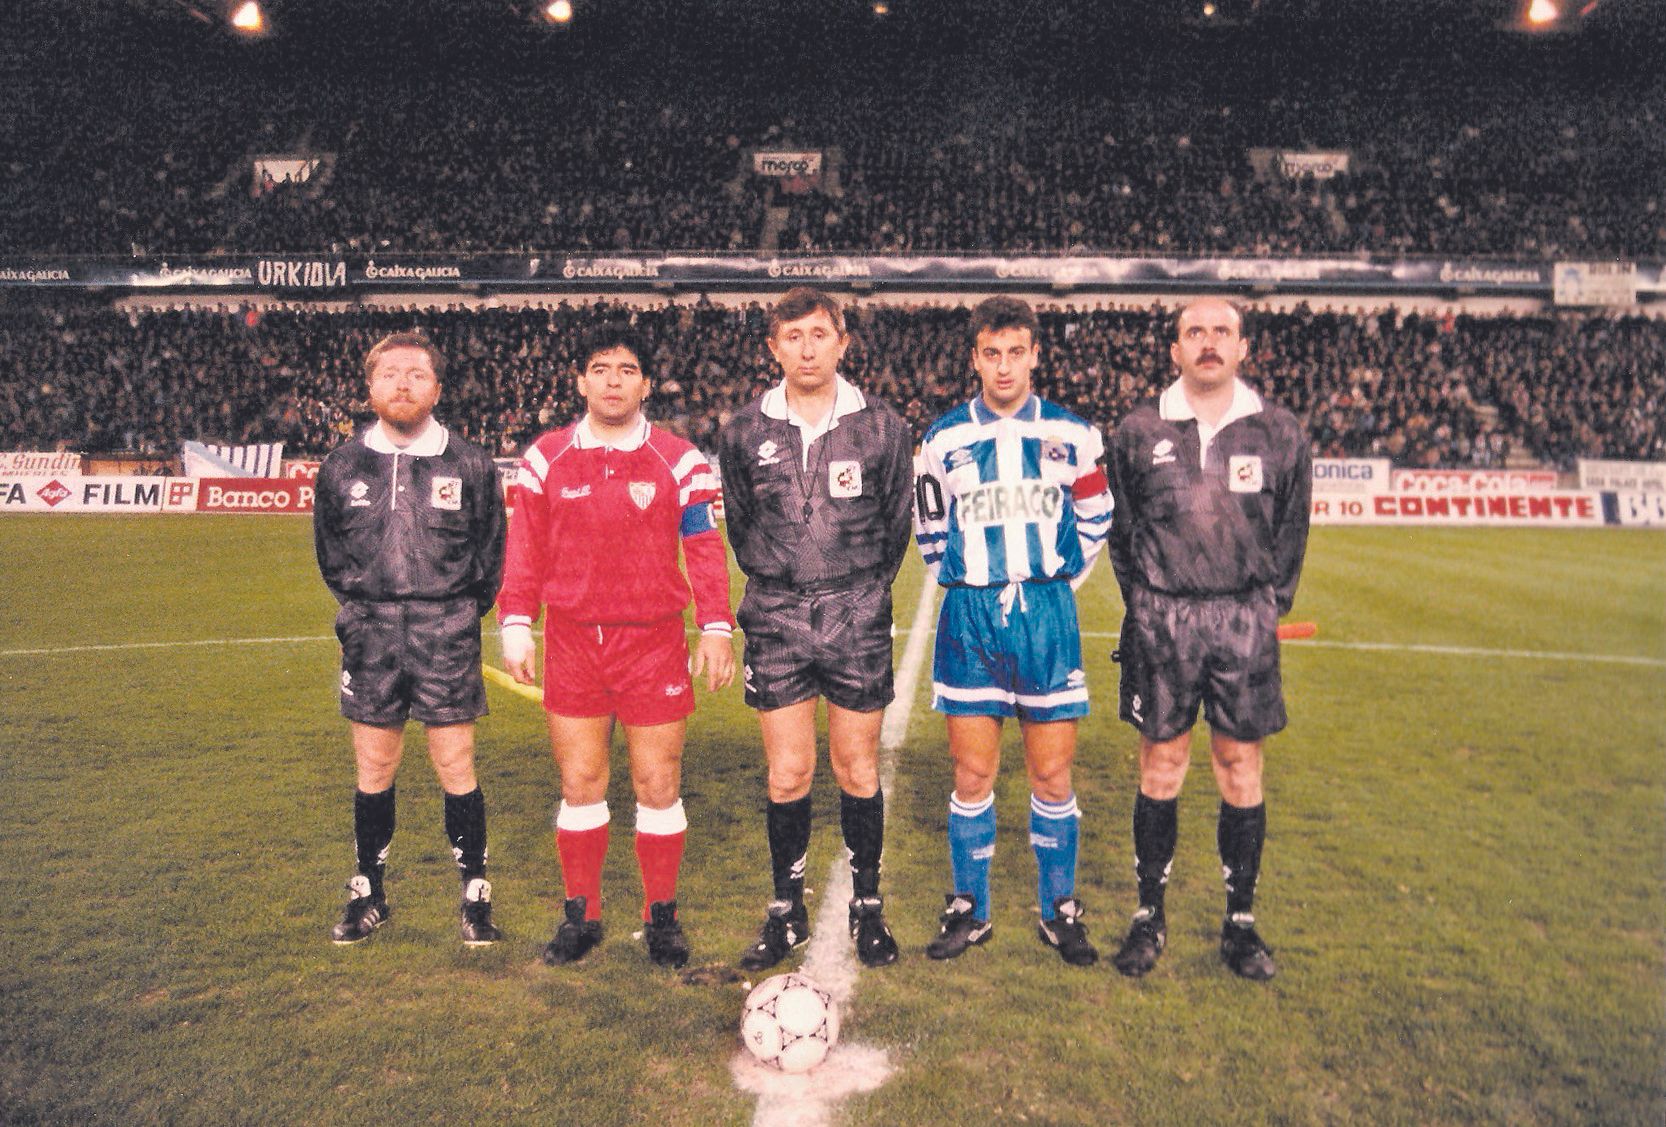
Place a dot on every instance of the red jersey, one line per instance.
(596, 529)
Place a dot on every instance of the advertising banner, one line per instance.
(786, 165)
(1595, 283)
(332, 274)
(22, 463)
(1473, 481)
(254, 495)
(306, 469)
(1567, 508)
(1644, 510)
(75, 493)
(1350, 475)
(1311, 165)
(1607, 474)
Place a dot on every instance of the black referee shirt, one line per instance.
(841, 516)
(425, 522)
(1232, 523)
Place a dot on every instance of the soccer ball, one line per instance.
(789, 1023)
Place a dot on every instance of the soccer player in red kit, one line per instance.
(601, 509)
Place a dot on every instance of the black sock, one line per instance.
(1239, 835)
(465, 826)
(1156, 828)
(372, 833)
(863, 822)
(789, 840)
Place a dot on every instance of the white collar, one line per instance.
(847, 400)
(1174, 408)
(430, 441)
(1028, 411)
(585, 437)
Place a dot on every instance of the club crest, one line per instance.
(1244, 473)
(844, 478)
(446, 493)
(642, 492)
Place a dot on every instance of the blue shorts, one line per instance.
(1021, 659)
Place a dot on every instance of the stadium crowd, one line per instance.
(1424, 391)
(924, 157)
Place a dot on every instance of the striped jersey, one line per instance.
(1003, 499)
(597, 528)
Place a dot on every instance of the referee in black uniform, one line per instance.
(817, 491)
(1211, 486)
(408, 525)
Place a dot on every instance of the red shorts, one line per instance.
(637, 673)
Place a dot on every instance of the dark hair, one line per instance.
(409, 339)
(993, 314)
(801, 301)
(616, 334)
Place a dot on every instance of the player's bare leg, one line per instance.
(580, 746)
(1163, 765)
(1240, 833)
(1049, 751)
(377, 750)
(975, 745)
(789, 738)
(853, 749)
(656, 758)
(451, 749)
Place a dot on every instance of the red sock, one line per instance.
(659, 856)
(582, 853)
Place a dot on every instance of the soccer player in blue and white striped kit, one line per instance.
(1011, 509)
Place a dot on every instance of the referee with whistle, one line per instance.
(818, 492)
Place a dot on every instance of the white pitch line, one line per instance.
(810, 1099)
(1458, 651)
(111, 647)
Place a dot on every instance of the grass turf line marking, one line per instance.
(112, 647)
(811, 1099)
(499, 677)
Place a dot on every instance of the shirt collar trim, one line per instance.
(847, 400)
(586, 438)
(1174, 408)
(430, 442)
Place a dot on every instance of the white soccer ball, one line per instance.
(789, 1023)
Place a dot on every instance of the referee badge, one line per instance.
(844, 479)
(642, 492)
(446, 493)
(1243, 473)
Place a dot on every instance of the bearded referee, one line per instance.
(408, 525)
(818, 486)
(1212, 484)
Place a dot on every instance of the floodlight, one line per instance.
(248, 18)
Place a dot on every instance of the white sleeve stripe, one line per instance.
(687, 464)
(536, 461)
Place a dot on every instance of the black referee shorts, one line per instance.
(416, 659)
(1222, 651)
(834, 644)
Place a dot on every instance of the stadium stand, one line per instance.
(1424, 391)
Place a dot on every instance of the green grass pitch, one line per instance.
(1465, 878)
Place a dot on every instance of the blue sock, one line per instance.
(1053, 834)
(971, 847)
